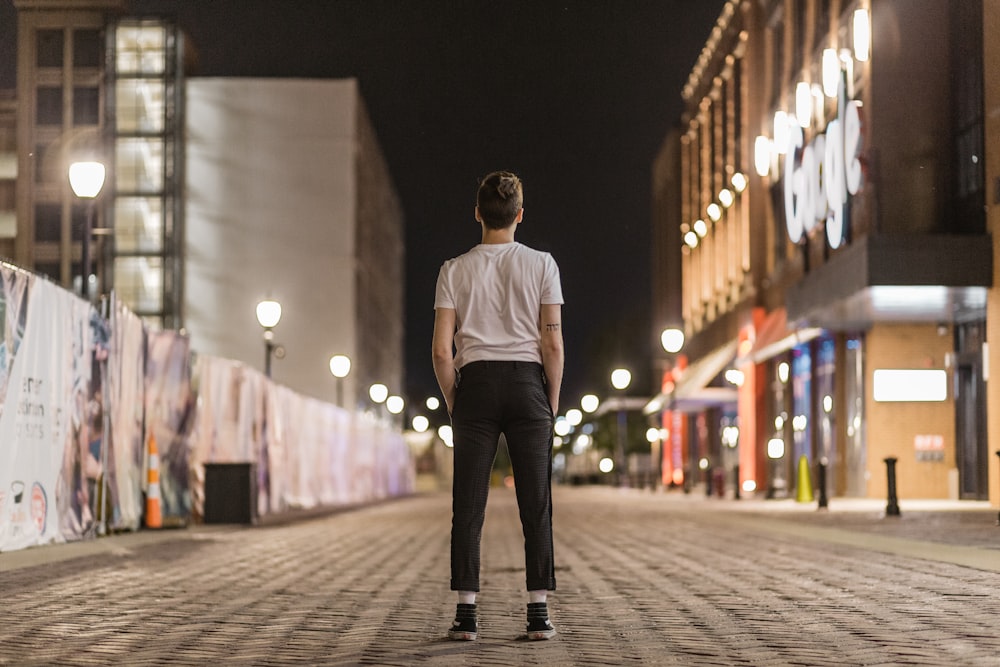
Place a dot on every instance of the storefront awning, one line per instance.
(774, 337)
(692, 393)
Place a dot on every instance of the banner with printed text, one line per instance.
(46, 427)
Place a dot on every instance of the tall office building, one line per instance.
(317, 208)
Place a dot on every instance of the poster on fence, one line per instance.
(44, 426)
(169, 418)
(126, 379)
(79, 493)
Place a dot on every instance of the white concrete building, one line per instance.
(288, 197)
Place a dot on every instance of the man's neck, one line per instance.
(495, 236)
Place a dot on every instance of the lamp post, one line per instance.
(86, 178)
(589, 403)
(340, 366)
(378, 392)
(621, 378)
(395, 405)
(672, 341)
(268, 315)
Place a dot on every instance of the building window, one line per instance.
(50, 269)
(799, 35)
(86, 106)
(777, 29)
(822, 20)
(968, 185)
(139, 224)
(139, 282)
(49, 45)
(48, 223)
(141, 49)
(87, 48)
(50, 106)
(139, 165)
(140, 105)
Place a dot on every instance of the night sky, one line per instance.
(574, 96)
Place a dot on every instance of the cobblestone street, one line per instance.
(644, 579)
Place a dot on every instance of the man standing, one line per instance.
(498, 358)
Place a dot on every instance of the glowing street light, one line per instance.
(268, 316)
(589, 403)
(672, 340)
(86, 179)
(621, 378)
(378, 392)
(340, 367)
(395, 404)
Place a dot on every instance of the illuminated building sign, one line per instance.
(821, 177)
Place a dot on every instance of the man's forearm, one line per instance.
(444, 371)
(553, 361)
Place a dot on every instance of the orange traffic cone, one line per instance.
(154, 517)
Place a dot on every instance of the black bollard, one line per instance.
(892, 509)
(736, 482)
(821, 480)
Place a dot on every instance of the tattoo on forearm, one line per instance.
(552, 327)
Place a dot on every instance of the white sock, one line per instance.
(537, 596)
(466, 597)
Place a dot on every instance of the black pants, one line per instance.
(508, 397)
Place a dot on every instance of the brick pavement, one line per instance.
(644, 579)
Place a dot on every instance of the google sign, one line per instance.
(820, 177)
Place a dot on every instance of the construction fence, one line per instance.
(107, 425)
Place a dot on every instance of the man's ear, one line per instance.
(479, 218)
(519, 216)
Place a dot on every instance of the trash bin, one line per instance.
(230, 493)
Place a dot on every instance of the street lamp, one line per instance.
(621, 378)
(378, 392)
(86, 179)
(589, 403)
(268, 316)
(672, 340)
(340, 366)
(395, 404)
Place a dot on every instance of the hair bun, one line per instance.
(508, 185)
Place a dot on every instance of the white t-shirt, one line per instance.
(497, 291)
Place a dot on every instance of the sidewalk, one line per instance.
(643, 579)
(963, 523)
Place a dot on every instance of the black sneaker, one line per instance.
(464, 628)
(538, 622)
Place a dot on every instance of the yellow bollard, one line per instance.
(804, 488)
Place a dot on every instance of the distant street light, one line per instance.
(378, 392)
(621, 378)
(432, 403)
(87, 180)
(340, 366)
(395, 404)
(268, 316)
(589, 403)
(672, 340)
